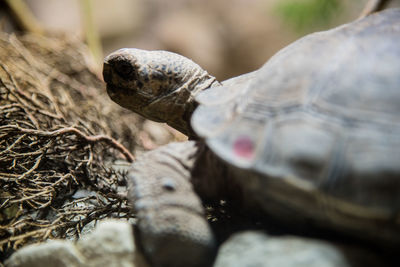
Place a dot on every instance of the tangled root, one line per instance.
(58, 133)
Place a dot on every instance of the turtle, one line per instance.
(311, 138)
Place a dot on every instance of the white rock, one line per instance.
(256, 249)
(111, 244)
(56, 253)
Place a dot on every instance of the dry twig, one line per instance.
(57, 146)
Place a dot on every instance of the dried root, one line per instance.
(58, 143)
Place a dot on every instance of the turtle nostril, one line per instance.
(125, 70)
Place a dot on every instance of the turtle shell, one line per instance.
(322, 115)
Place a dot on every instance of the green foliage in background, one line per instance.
(304, 15)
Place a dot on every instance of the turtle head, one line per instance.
(158, 85)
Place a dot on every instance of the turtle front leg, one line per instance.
(171, 226)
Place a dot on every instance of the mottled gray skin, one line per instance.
(321, 126)
(158, 85)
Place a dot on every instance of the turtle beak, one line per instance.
(107, 77)
(107, 73)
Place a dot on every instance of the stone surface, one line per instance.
(53, 253)
(110, 244)
(256, 249)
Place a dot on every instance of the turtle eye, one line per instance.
(124, 69)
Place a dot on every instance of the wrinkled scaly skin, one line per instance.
(168, 185)
(169, 214)
(172, 230)
(158, 85)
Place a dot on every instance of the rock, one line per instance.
(111, 244)
(257, 249)
(55, 253)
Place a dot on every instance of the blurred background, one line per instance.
(226, 37)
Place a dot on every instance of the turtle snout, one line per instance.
(107, 72)
(109, 76)
(124, 69)
(121, 66)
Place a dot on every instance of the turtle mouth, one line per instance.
(118, 92)
(128, 98)
(112, 91)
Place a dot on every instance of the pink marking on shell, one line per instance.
(244, 147)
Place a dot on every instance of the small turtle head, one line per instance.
(158, 85)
